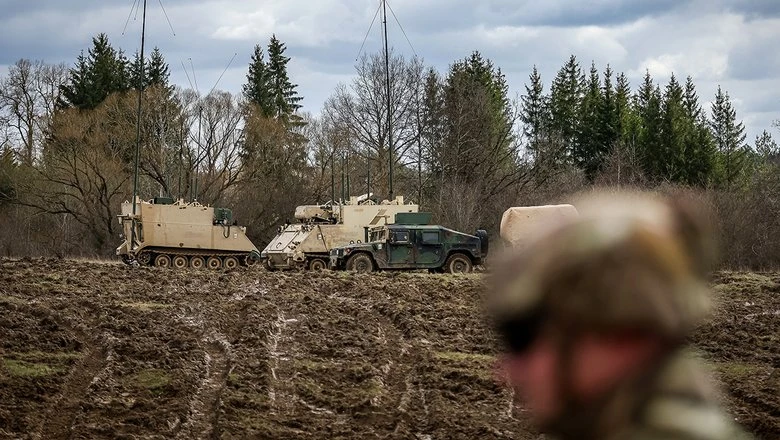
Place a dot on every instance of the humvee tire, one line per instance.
(458, 263)
(360, 263)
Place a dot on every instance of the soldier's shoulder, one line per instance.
(684, 406)
(677, 417)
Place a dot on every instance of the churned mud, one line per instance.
(100, 350)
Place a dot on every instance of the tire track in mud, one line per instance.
(276, 358)
(202, 421)
(94, 366)
(395, 376)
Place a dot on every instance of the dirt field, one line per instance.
(100, 351)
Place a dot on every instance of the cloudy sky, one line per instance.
(732, 43)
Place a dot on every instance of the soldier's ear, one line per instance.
(694, 224)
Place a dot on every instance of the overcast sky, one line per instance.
(732, 43)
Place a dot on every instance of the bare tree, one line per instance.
(362, 108)
(82, 174)
(27, 102)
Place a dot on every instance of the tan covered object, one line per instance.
(521, 225)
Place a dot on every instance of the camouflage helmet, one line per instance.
(632, 261)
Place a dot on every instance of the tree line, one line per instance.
(457, 142)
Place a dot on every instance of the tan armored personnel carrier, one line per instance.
(319, 228)
(182, 235)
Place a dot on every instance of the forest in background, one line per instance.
(460, 146)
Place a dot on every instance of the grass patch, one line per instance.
(736, 369)
(469, 364)
(43, 357)
(19, 368)
(145, 306)
(153, 380)
(457, 356)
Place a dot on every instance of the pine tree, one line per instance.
(534, 112)
(433, 119)
(103, 72)
(766, 146)
(729, 136)
(673, 131)
(134, 72)
(77, 92)
(157, 71)
(588, 149)
(565, 97)
(698, 149)
(627, 123)
(283, 94)
(479, 121)
(609, 115)
(648, 105)
(257, 88)
(8, 167)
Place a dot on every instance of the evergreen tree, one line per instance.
(257, 89)
(627, 127)
(534, 112)
(134, 72)
(588, 151)
(565, 97)
(8, 167)
(729, 136)
(479, 121)
(674, 128)
(78, 91)
(609, 115)
(103, 72)
(433, 119)
(283, 94)
(697, 147)
(766, 146)
(648, 106)
(157, 72)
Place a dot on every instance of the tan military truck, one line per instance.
(307, 243)
(178, 234)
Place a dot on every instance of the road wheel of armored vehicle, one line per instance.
(197, 262)
(458, 263)
(179, 262)
(360, 263)
(145, 258)
(213, 263)
(162, 260)
(230, 262)
(317, 264)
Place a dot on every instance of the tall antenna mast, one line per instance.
(389, 113)
(138, 126)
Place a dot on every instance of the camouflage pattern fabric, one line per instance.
(674, 401)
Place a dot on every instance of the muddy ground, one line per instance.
(92, 350)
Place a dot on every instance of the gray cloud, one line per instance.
(726, 42)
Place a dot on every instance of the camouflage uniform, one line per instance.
(631, 263)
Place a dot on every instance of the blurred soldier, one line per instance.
(595, 315)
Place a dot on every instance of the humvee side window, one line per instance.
(378, 235)
(430, 237)
(400, 236)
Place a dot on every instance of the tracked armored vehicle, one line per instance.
(307, 243)
(180, 235)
